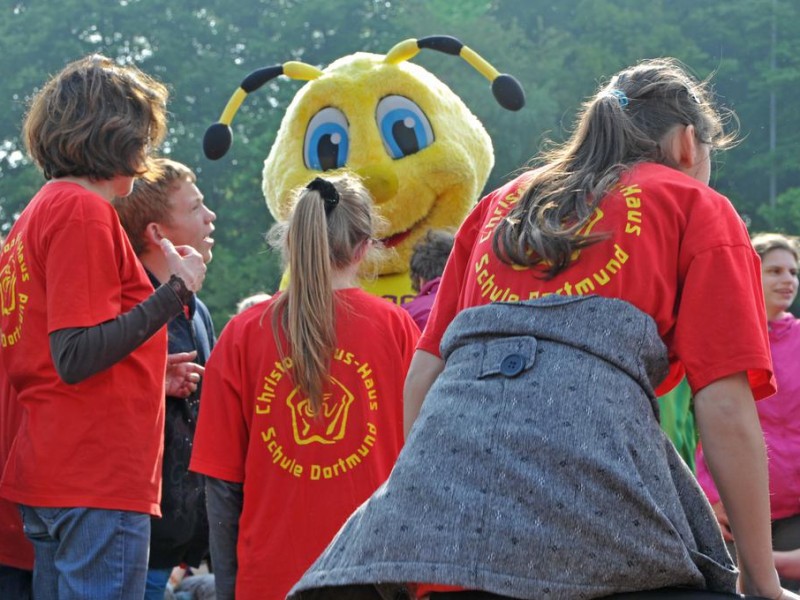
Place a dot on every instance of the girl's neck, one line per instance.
(101, 187)
(775, 315)
(345, 278)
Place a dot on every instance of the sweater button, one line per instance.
(512, 365)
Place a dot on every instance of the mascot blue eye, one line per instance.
(327, 140)
(403, 125)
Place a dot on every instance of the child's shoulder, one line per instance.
(671, 186)
(60, 202)
(369, 305)
(245, 323)
(73, 192)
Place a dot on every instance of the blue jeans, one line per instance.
(88, 553)
(156, 585)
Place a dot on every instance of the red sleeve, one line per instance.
(721, 327)
(448, 297)
(674, 377)
(223, 431)
(84, 257)
(408, 336)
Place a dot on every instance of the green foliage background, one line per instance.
(559, 51)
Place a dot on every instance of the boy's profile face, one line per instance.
(191, 222)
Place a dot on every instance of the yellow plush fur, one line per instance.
(432, 188)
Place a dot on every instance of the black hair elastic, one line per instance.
(328, 191)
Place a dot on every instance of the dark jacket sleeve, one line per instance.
(80, 352)
(224, 501)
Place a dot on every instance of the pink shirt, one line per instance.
(420, 307)
(780, 420)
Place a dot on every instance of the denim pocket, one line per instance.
(32, 524)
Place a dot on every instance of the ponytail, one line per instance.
(330, 220)
(625, 123)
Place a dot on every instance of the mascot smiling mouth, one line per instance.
(393, 123)
(395, 239)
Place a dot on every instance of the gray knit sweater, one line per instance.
(536, 468)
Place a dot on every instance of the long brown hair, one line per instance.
(314, 245)
(624, 124)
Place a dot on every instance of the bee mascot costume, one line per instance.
(419, 150)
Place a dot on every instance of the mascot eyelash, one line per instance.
(506, 89)
(414, 143)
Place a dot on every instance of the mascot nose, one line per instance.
(380, 181)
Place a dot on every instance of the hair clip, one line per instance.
(620, 96)
(328, 192)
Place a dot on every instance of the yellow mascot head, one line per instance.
(419, 150)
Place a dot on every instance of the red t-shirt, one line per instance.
(15, 549)
(676, 250)
(302, 476)
(68, 263)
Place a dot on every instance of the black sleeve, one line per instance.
(80, 352)
(224, 501)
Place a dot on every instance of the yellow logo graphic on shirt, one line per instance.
(327, 427)
(12, 301)
(290, 438)
(596, 217)
(8, 288)
(591, 282)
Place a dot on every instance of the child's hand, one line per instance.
(186, 263)
(182, 376)
(787, 563)
(722, 519)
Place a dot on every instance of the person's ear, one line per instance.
(687, 150)
(678, 147)
(153, 234)
(361, 251)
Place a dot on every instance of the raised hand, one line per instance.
(722, 519)
(186, 263)
(183, 375)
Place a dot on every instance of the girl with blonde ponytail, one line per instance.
(324, 242)
(301, 415)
